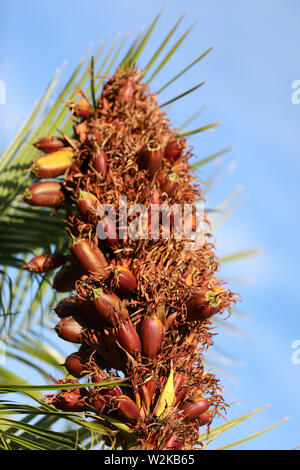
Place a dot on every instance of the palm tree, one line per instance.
(27, 421)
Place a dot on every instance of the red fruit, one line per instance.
(128, 338)
(152, 336)
(53, 164)
(193, 409)
(66, 307)
(180, 396)
(178, 381)
(69, 401)
(88, 204)
(91, 258)
(203, 306)
(151, 387)
(44, 263)
(127, 409)
(49, 144)
(71, 329)
(145, 397)
(101, 375)
(99, 404)
(46, 193)
(180, 389)
(79, 391)
(82, 108)
(126, 281)
(109, 306)
(168, 181)
(150, 157)
(204, 418)
(100, 162)
(173, 443)
(64, 280)
(88, 311)
(173, 150)
(76, 364)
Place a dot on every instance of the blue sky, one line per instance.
(248, 78)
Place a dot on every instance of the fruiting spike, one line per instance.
(44, 263)
(46, 193)
(152, 335)
(53, 164)
(135, 300)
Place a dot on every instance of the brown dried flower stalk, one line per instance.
(140, 308)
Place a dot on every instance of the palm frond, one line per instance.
(162, 46)
(237, 256)
(217, 431)
(185, 70)
(181, 95)
(170, 53)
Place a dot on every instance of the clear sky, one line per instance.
(248, 88)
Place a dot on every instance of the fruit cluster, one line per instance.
(138, 307)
